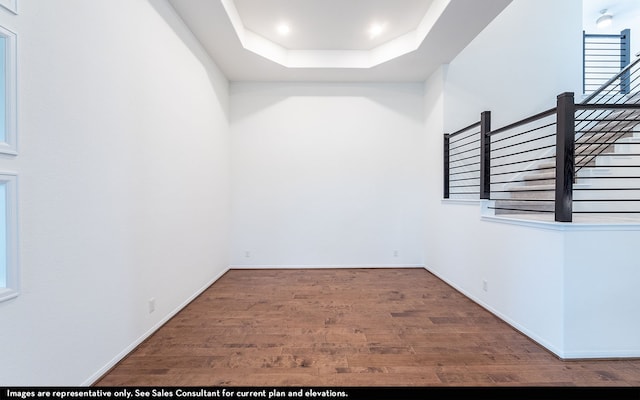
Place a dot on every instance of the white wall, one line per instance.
(124, 183)
(570, 287)
(327, 174)
(518, 64)
(602, 276)
(514, 68)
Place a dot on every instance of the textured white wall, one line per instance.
(124, 183)
(327, 174)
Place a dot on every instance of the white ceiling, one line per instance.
(316, 25)
(329, 39)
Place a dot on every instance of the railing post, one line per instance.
(625, 59)
(485, 155)
(446, 165)
(565, 157)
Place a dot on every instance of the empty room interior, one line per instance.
(156, 151)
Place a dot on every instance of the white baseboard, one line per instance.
(558, 352)
(324, 266)
(595, 355)
(98, 374)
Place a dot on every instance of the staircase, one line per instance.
(607, 168)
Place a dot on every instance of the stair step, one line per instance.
(617, 160)
(505, 207)
(539, 176)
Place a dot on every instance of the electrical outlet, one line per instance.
(485, 285)
(396, 253)
(152, 305)
(247, 254)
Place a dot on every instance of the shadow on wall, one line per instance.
(218, 82)
(387, 95)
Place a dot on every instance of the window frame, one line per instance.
(10, 144)
(12, 287)
(11, 5)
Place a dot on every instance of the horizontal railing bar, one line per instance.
(465, 172)
(456, 133)
(524, 142)
(617, 189)
(523, 152)
(523, 161)
(460, 139)
(465, 158)
(524, 121)
(464, 165)
(523, 191)
(524, 133)
(525, 200)
(522, 180)
(611, 177)
(522, 170)
(606, 212)
(463, 155)
(593, 106)
(463, 186)
(595, 35)
(602, 200)
(465, 179)
(607, 120)
(585, 144)
(604, 55)
(619, 166)
(463, 151)
(459, 144)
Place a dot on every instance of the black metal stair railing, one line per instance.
(573, 158)
(522, 165)
(598, 128)
(462, 163)
(604, 55)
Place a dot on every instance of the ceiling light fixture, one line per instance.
(376, 30)
(283, 29)
(604, 20)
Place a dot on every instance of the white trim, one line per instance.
(466, 202)
(12, 289)
(11, 5)
(564, 226)
(98, 374)
(325, 266)
(580, 223)
(10, 144)
(288, 58)
(595, 355)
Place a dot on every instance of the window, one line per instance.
(8, 114)
(9, 279)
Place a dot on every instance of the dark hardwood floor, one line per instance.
(348, 327)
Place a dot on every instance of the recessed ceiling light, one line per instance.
(376, 30)
(283, 29)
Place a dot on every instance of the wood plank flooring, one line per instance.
(348, 327)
